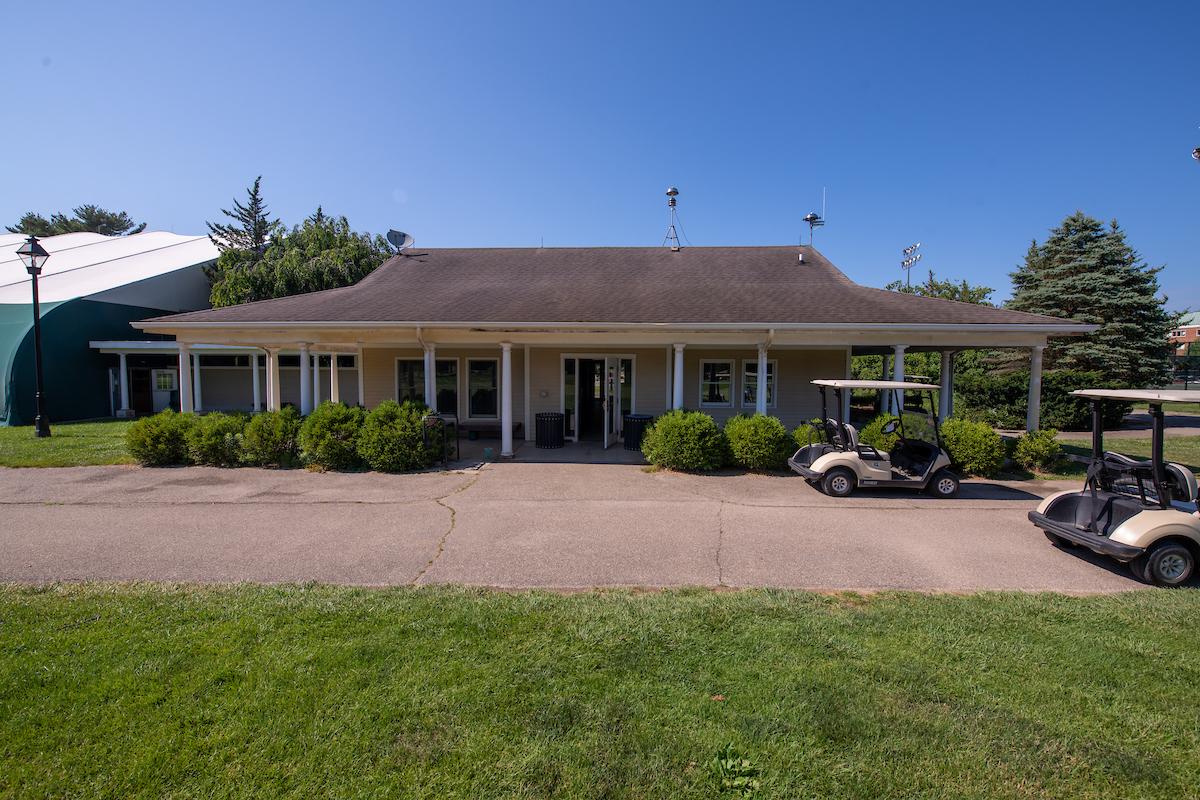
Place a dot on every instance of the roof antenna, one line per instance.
(672, 219)
(814, 221)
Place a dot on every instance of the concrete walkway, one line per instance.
(518, 525)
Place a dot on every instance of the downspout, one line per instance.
(420, 339)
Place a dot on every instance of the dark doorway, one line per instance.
(141, 396)
(591, 399)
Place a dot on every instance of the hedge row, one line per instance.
(333, 436)
(1002, 399)
(692, 441)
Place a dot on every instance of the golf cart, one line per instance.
(840, 462)
(1143, 513)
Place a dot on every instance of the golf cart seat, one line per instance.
(1179, 480)
(1106, 510)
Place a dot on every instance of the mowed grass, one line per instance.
(1183, 450)
(445, 693)
(71, 444)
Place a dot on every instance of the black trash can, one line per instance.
(635, 429)
(548, 427)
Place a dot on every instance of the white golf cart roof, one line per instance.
(850, 384)
(1141, 395)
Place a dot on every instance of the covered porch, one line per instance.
(494, 380)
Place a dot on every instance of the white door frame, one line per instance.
(562, 383)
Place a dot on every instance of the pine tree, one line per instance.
(90, 218)
(252, 226)
(1089, 273)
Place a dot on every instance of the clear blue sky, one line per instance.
(971, 129)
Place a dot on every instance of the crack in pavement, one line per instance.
(720, 542)
(441, 545)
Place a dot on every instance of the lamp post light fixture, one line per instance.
(33, 255)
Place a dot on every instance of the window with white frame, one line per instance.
(716, 383)
(410, 382)
(750, 383)
(483, 388)
(165, 380)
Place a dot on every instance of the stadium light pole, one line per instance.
(33, 255)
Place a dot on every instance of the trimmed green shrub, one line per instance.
(758, 442)
(872, 434)
(391, 439)
(1001, 399)
(271, 439)
(811, 432)
(686, 440)
(160, 440)
(973, 447)
(1038, 450)
(329, 436)
(215, 439)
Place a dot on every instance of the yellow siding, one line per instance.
(797, 399)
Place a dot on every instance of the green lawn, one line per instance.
(437, 693)
(1174, 408)
(71, 444)
(1180, 449)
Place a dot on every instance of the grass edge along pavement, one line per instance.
(120, 690)
(71, 444)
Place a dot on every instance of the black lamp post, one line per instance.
(33, 255)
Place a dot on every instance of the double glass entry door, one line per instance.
(597, 394)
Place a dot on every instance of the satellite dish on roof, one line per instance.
(400, 240)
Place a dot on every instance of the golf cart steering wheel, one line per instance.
(890, 427)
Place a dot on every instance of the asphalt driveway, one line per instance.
(518, 525)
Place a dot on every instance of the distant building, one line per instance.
(91, 289)
(1187, 333)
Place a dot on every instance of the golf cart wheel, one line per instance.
(1165, 564)
(838, 482)
(944, 484)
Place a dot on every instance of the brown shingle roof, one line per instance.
(613, 285)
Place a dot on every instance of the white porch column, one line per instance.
(760, 394)
(306, 404)
(255, 384)
(947, 383)
(316, 361)
(360, 362)
(274, 394)
(528, 405)
(677, 379)
(506, 414)
(1033, 417)
(186, 398)
(335, 380)
(199, 389)
(885, 405)
(123, 411)
(431, 376)
(898, 373)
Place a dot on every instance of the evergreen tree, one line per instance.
(323, 253)
(90, 218)
(1089, 273)
(251, 227)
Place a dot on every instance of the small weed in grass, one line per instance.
(735, 774)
